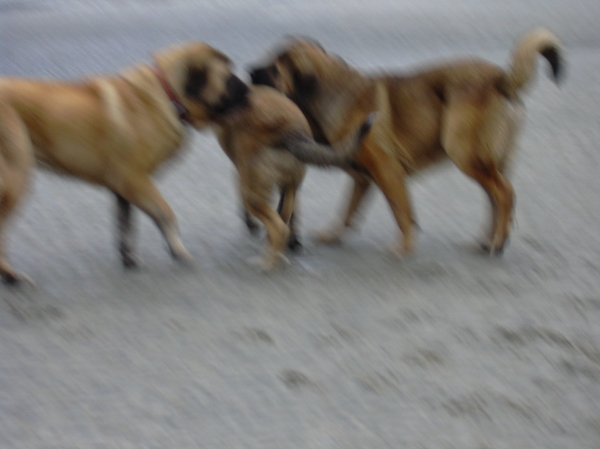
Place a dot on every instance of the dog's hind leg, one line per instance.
(501, 194)
(256, 193)
(8, 273)
(479, 146)
(16, 163)
(277, 232)
(139, 190)
(287, 211)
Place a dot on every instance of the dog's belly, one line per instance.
(427, 158)
(77, 162)
(94, 152)
(416, 154)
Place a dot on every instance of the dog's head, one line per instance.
(203, 79)
(295, 70)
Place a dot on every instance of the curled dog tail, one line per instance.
(524, 59)
(306, 150)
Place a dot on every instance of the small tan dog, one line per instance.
(468, 111)
(114, 131)
(268, 140)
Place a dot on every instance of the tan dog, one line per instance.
(268, 139)
(113, 131)
(468, 111)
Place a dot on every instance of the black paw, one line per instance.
(294, 244)
(251, 224)
(489, 250)
(130, 261)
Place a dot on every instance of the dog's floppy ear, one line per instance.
(306, 84)
(303, 73)
(195, 81)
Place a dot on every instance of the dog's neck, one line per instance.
(335, 103)
(184, 114)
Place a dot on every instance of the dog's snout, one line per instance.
(236, 94)
(236, 88)
(260, 76)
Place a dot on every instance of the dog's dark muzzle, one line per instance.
(237, 89)
(237, 93)
(261, 76)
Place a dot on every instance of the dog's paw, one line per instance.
(268, 264)
(492, 250)
(131, 261)
(294, 244)
(396, 251)
(331, 236)
(400, 250)
(16, 278)
(252, 225)
(284, 260)
(185, 259)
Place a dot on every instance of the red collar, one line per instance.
(184, 114)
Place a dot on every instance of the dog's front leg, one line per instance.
(389, 175)
(251, 224)
(139, 190)
(125, 233)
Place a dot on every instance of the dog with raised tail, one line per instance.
(469, 111)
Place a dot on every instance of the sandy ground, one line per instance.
(346, 347)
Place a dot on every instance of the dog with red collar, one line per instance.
(113, 131)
